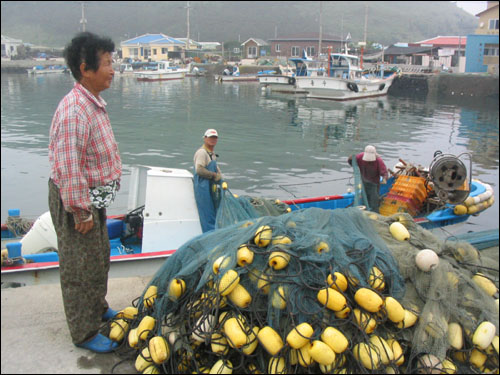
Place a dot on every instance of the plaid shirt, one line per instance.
(82, 150)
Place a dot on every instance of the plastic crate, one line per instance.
(392, 206)
(410, 187)
(413, 204)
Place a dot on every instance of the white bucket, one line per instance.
(41, 236)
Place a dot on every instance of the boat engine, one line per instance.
(448, 175)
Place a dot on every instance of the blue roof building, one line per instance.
(153, 47)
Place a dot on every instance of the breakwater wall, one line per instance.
(446, 86)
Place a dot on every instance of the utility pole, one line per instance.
(83, 21)
(366, 21)
(187, 45)
(341, 32)
(320, 27)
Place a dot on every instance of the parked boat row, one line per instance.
(338, 78)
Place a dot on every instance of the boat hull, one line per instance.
(159, 76)
(280, 83)
(342, 89)
(46, 71)
(249, 78)
(48, 272)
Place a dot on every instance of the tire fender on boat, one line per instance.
(381, 87)
(291, 81)
(352, 86)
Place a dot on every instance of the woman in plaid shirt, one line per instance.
(85, 175)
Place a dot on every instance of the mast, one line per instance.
(187, 45)
(320, 27)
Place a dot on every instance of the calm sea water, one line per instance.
(270, 145)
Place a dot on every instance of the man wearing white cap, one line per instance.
(207, 173)
(371, 167)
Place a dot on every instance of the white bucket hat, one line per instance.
(370, 153)
(211, 133)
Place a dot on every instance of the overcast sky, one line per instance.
(473, 7)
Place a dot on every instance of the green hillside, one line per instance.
(52, 23)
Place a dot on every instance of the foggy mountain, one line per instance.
(53, 23)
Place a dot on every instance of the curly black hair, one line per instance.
(86, 47)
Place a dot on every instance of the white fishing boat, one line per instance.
(345, 80)
(51, 69)
(162, 72)
(286, 81)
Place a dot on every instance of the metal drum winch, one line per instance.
(449, 177)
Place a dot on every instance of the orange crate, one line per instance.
(411, 203)
(392, 206)
(410, 187)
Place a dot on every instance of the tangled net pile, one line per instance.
(314, 291)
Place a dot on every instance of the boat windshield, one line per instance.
(344, 66)
(307, 67)
(345, 60)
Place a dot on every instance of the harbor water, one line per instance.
(270, 145)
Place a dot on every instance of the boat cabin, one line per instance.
(305, 67)
(344, 66)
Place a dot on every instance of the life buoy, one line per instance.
(381, 87)
(291, 81)
(352, 86)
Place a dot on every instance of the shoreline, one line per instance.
(455, 86)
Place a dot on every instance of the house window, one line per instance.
(164, 51)
(491, 51)
(493, 24)
(278, 48)
(252, 51)
(310, 51)
(295, 51)
(154, 51)
(236, 50)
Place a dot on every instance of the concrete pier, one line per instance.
(36, 339)
(446, 86)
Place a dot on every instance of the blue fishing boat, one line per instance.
(163, 215)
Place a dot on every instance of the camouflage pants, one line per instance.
(83, 266)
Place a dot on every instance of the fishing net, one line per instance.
(279, 283)
(233, 209)
(447, 294)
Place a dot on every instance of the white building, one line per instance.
(209, 45)
(9, 46)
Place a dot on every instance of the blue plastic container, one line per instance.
(14, 249)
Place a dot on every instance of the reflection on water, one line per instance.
(274, 145)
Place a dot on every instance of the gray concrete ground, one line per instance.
(35, 336)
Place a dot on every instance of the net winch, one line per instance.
(448, 175)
